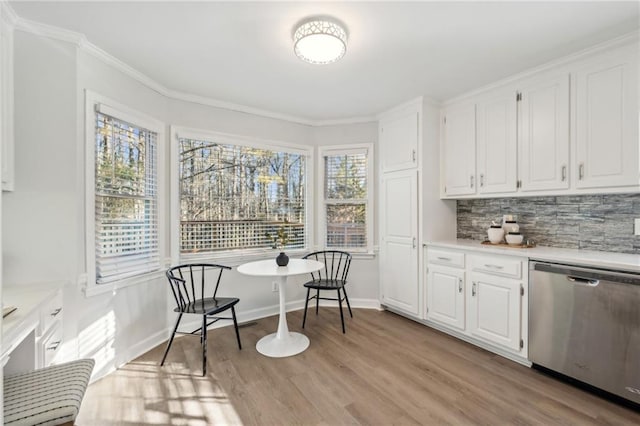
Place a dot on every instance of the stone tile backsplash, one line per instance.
(592, 222)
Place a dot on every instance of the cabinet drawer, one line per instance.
(50, 312)
(50, 345)
(446, 257)
(496, 265)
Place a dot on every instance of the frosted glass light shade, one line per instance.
(320, 42)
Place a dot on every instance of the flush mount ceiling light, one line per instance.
(320, 41)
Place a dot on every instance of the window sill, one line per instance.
(91, 290)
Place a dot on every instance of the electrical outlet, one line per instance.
(274, 286)
(636, 228)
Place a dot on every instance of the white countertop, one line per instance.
(597, 259)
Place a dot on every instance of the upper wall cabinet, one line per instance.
(459, 150)
(606, 123)
(497, 139)
(568, 129)
(399, 141)
(544, 135)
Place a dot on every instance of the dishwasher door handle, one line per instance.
(583, 281)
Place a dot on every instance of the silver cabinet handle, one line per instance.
(414, 242)
(473, 289)
(488, 265)
(581, 171)
(413, 155)
(447, 259)
(471, 181)
(564, 173)
(459, 285)
(54, 346)
(481, 180)
(56, 312)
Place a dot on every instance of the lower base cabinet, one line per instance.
(495, 310)
(481, 296)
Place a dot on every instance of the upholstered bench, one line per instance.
(48, 396)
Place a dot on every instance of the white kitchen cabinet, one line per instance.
(399, 141)
(495, 310)
(544, 135)
(399, 241)
(497, 140)
(479, 297)
(446, 296)
(459, 150)
(606, 122)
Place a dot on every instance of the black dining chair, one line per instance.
(188, 287)
(332, 277)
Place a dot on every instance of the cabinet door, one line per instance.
(399, 233)
(445, 296)
(459, 150)
(497, 141)
(399, 142)
(495, 310)
(607, 123)
(544, 135)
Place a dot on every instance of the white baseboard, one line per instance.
(267, 311)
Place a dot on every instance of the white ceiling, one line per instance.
(241, 52)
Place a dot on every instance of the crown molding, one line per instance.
(624, 40)
(82, 43)
(8, 15)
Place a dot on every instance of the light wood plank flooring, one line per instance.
(385, 370)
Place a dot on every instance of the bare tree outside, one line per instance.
(232, 196)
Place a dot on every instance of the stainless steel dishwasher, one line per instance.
(585, 324)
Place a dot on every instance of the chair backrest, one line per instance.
(188, 281)
(336, 265)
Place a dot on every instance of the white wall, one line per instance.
(44, 218)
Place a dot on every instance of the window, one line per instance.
(235, 195)
(123, 202)
(347, 192)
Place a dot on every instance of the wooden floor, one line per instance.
(385, 370)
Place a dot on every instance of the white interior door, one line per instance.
(399, 241)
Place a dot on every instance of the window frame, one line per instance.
(98, 103)
(234, 256)
(323, 151)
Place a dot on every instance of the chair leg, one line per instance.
(204, 345)
(306, 304)
(235, 324)
(344, 290)
(166, 351)
(341, 314)
(317, 300)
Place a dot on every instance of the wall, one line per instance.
(363, 286)
(593, 222)
(44, 218)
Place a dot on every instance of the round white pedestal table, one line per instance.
(283, 342)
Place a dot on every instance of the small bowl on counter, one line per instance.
(514, 238)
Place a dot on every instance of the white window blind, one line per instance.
(346, 199)
(126, 200)
(236, 197)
